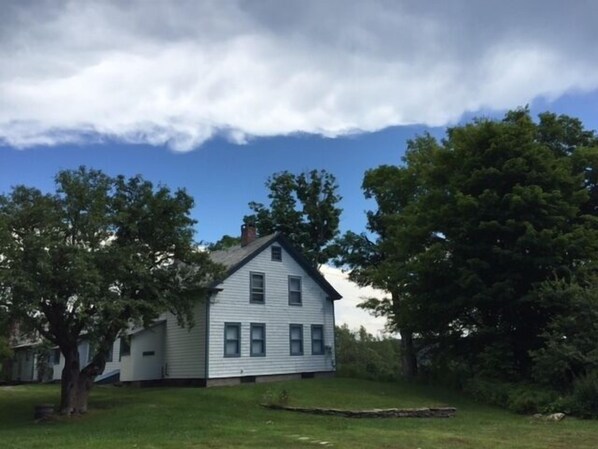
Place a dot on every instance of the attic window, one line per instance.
(276, 253)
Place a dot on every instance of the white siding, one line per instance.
(83, 359)
(136, 367)
(186, 347)
(232, 305)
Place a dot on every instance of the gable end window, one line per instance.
(317, 339)
(257, 287)
(296, 339)
(258, 340)
(276, 253)
(295, 290)
(232, 339)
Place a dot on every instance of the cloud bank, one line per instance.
(179, 72)
(345, 310)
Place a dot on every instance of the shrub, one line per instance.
(583, 401)
(519, 398)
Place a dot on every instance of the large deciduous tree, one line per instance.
(304, 207)
(95, 257)
(468, 231)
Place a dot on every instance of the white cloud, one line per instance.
(346, 311)
(177, 73)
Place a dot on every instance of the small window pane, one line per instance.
(296, 347)
(232, 333)
(295, 284)
(231, 347)
(295, 333)
(257, 347)
(258, 282)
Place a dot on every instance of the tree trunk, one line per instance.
(86, 379)
(84, 384)
(69, 381)
(408, 355)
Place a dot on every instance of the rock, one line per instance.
(556, 417)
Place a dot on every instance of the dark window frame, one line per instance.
(321, 340)
(257, 292)
(226, 340)
(276, 253)
(263, 339)
(293, 302)
(291, 340)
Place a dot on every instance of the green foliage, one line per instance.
(304, 207)
(520, 398)
(361, 355)
(225, 242)
(583, 401)
(469, 228)
(570, 349)
(97, 255)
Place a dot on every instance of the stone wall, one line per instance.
(425, 412)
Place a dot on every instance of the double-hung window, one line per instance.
(257, 287)
(258, 339)
(276, 253)
(296, 339)
(317, 339)
(295, 290)
(232, 339)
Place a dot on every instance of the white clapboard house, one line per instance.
(271, 318)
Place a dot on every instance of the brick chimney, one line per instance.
(248, 234)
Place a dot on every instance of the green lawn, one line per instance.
(231, 417)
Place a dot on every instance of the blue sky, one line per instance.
(214, 96)
(223, 176)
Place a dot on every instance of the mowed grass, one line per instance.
(231, 417)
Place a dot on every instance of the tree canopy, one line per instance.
(304, 207)
(468, 230)
(95, 257)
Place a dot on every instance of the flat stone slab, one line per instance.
(424, 412)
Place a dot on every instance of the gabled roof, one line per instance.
(237, 256)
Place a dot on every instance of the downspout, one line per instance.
(333, 354)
